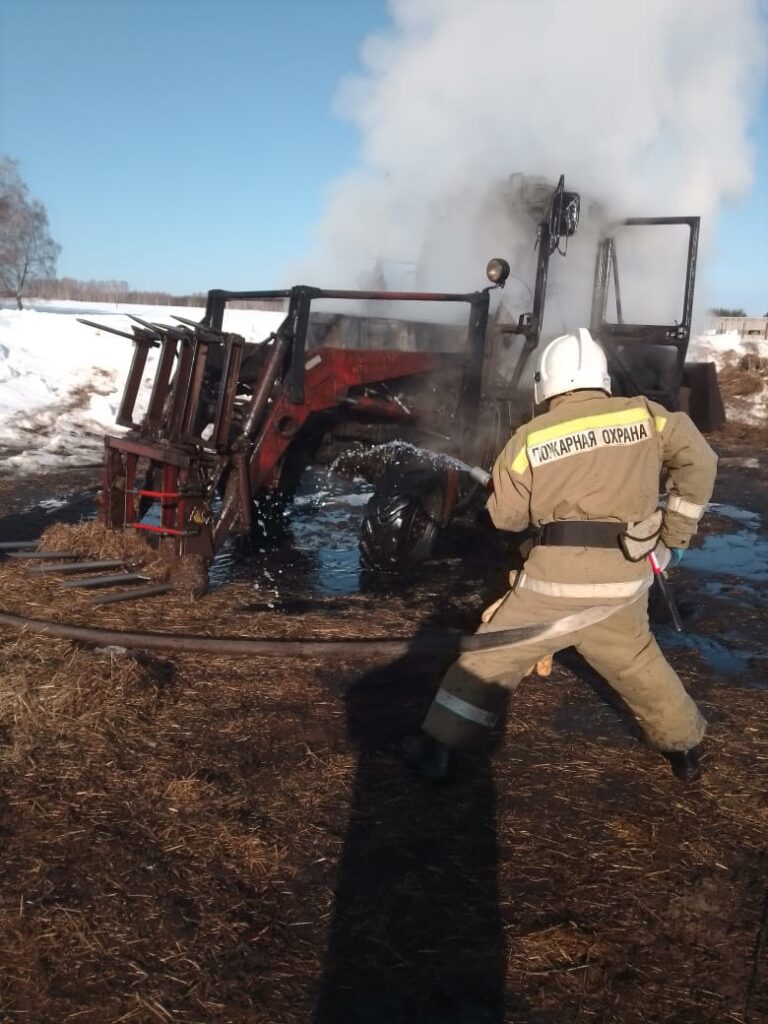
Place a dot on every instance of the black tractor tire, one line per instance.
(403, 519)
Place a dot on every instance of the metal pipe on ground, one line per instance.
(41, 555)
(135, 594)
(67, 568)
(105, 581)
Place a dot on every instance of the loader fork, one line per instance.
(199, 471)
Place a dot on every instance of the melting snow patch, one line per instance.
(739, 462)
(742, 363)
(61, 382)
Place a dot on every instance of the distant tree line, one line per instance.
(724, 311)
(107, 291)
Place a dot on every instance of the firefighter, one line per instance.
(586, 475)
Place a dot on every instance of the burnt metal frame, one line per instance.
(175, 397)
(166, 437)
(300, 299)
(178, 383)
(554, 225)
(289, 389)
(614, 333)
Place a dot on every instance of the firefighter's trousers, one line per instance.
(620, 647)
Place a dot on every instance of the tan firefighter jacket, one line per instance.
(591, 457)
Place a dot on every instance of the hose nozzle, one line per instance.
(481, 476)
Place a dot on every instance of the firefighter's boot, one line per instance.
(685, 764)
(426, 755)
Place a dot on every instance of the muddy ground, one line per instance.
(191, 839)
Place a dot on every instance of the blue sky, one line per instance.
(738, 275)
(189, 144)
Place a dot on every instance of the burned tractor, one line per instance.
(229, 426)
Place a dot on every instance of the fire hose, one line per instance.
(427, 643)
(433, 642)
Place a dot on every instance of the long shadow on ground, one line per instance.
(416, 934)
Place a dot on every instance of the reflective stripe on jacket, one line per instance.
(594, 457)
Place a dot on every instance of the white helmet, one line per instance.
(568, 363)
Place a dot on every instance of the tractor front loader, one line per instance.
(223, 415)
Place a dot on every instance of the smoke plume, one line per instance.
(644, 107)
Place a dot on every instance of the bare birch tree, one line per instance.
(27, 250)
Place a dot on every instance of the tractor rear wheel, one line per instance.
(403, 519)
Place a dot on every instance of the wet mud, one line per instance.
(29, 505)
(314, 556)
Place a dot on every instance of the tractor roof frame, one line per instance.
(616, 335)
(607, 273)
(301, 297)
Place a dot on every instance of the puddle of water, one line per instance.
(739, 515)
(740, 462)
(743, 554)
(49, 505)
(721, 658)
(732, 566)
(319, 554)
(36, 517)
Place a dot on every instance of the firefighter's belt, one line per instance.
(581, 534)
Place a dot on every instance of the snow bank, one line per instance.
(742, 366)
(60, 382)
(729, 345)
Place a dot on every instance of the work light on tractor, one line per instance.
(497, 272)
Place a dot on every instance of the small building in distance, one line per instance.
(746, 326)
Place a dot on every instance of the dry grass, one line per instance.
(225, 612)
(204, 840)
(740, 380)
(139, 867)
(215, 840)
(95, 540)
